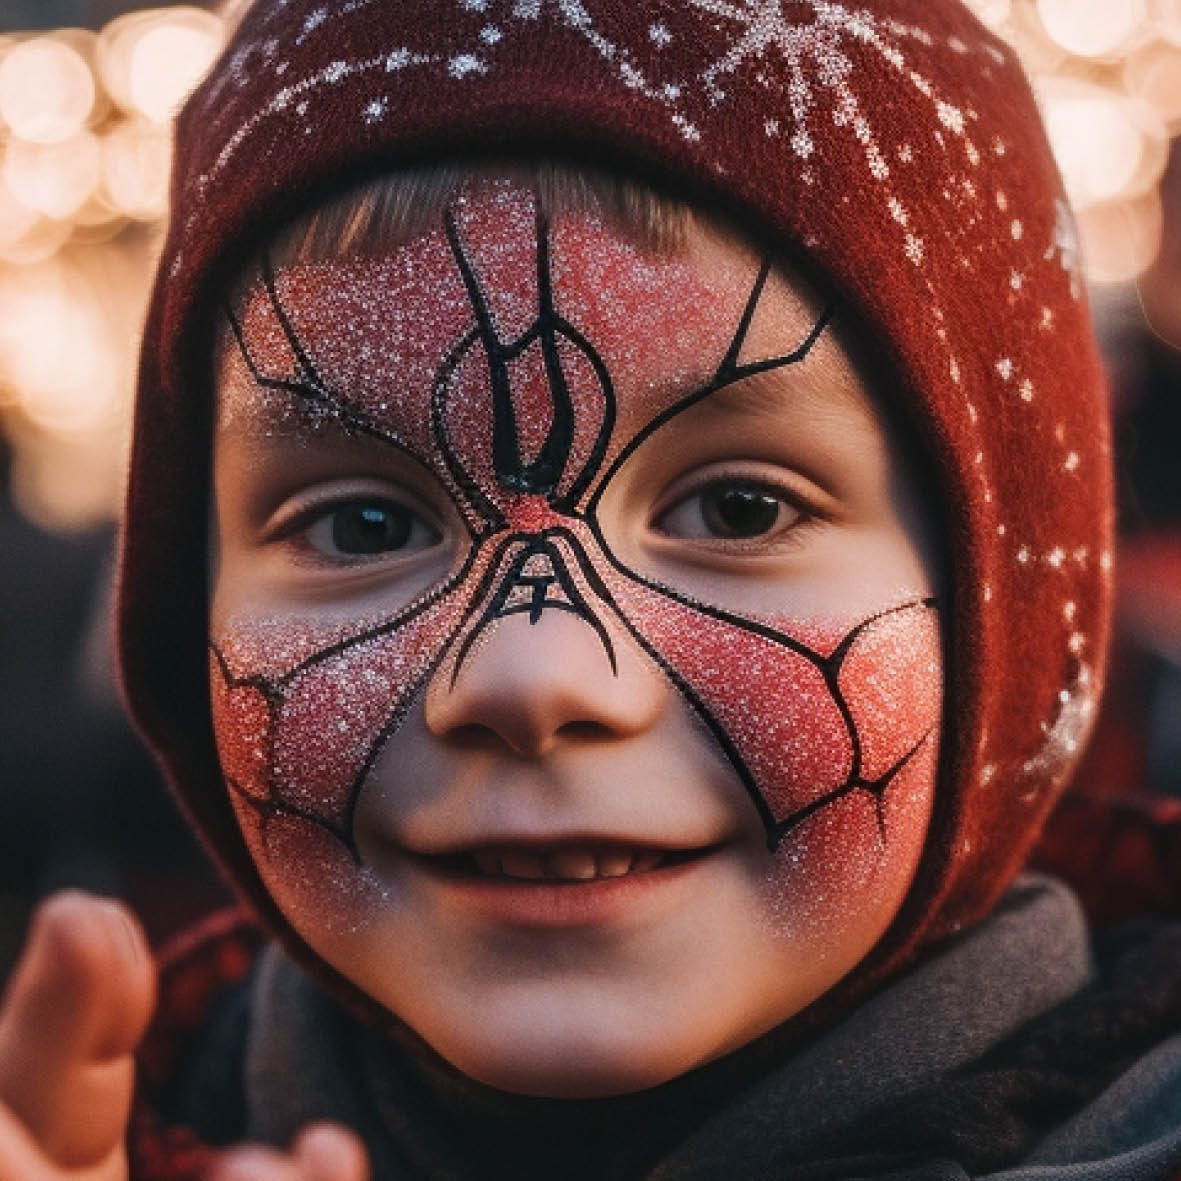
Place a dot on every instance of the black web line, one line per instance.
(310, 385)
(531, 546)
(408, 613)
(728, 372)
(544, 474)
(494, 519)
(829, 669)
(275, 804)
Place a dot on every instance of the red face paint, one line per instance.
(523, 364)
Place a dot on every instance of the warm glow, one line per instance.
(1153, 74)
(16, 219)
(54, 350)
(55, 179)
(85, 154)
(149, 61)
(1166, 16)
(1120, 241)
(136, 160)
(41, 240)
(1092, 28)
(46, 90)
(992, 12)
(1107, 145)
(167, 62)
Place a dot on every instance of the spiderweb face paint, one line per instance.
(537, 371)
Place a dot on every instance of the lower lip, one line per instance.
(529, 903)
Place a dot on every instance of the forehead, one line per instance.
(378, 333)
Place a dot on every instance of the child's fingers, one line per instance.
(76, 1007)
(328, 1152)
(253, 1163)
(22, 1158)
(321, 1152)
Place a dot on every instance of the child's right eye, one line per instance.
(366, 528)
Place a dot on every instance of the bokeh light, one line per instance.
(1109, 146)
(149, 61)
(1120, 240)
(53, 178)
(135, 167)
(47, 90)
(168, 61)
(1093, 28)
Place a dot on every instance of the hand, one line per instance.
(321, 1152)
(74, 1011)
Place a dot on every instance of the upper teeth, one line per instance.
(570, 864)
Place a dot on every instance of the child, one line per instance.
(654, 589)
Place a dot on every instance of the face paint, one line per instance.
(508, 392)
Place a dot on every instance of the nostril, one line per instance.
(584, 732)
(474, 736)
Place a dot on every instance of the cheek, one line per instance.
(848, 865)
(312, 877)
(837, 880)
(296, 741)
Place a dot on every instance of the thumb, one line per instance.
(329, 1152)
(78, 1003)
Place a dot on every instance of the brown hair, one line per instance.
(376, 217)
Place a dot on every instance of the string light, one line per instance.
(47, 91)
(169, 60)
(53, 178)
(1093, 28)
(1121, 240)
(136, 158)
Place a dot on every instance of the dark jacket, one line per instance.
(1024, 1049)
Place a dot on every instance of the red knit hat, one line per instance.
(897, 147)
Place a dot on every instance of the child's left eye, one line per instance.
(730, 510)
(367, 528)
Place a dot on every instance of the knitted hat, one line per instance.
(897, 147)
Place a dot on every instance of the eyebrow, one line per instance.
(816, 390)
(278, 417)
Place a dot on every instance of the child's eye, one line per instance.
(730, 509)
(367, 528)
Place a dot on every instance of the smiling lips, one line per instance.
(561, 863)
(563, 884)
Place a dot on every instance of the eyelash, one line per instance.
(779, 536)
(296, 530)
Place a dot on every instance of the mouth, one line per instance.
(572, 864)
(563, 884)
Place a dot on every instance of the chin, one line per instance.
(560, 1077)
(555, 1059)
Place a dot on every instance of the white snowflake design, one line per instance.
(1065, 735)
(814, 44)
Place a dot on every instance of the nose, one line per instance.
(531, 684)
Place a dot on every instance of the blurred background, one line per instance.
(87, 92)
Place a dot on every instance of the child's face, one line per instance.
(576, 675)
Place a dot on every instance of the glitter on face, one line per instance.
(548, 355)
